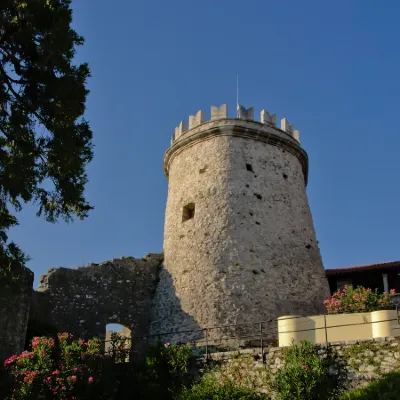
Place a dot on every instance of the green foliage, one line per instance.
(119, 348)
(305, 376)
(387, 388)
(210, 389)
(60, 368)
(165, 371)
(45, 144)
(360, 299)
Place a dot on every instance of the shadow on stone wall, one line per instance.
(15, 298)
(168, 322)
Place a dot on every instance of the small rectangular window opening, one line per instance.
(188, 212)
(249, 168)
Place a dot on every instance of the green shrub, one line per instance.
(305, 376)
(209, 389)
(387, 388)
(165, 371)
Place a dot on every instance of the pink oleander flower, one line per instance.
(392, 291)
(304, 367)
(10, 360)
(90, 379)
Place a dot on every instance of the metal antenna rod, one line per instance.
(237, 95)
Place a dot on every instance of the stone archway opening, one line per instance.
(118, 342)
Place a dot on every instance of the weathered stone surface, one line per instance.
(249, 253)
(15, 301)
(83, 301)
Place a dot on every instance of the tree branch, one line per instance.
(19, 98)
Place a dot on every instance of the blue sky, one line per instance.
(331, 68)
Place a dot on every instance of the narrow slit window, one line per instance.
(188, 212)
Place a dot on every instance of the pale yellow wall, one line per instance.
(339, 327)
(124, 332)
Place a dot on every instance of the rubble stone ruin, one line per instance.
(239, 242)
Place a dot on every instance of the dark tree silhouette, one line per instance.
(45, 144)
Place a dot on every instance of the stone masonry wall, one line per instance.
(83, 301)
(15, 300)
(361, 361)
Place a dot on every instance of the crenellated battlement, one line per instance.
(245, 113)
(219, 113)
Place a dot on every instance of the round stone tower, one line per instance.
(239, 240)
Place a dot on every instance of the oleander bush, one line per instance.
(64, 368)
(305, 376)
(57, 368)
(360, 299)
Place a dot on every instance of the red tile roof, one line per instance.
(366, 267)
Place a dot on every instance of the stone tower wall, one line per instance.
(194, 252)
(276, 267)
(250, 252)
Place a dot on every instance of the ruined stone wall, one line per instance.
(83, 301)
(15, 298)
(249, 253)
